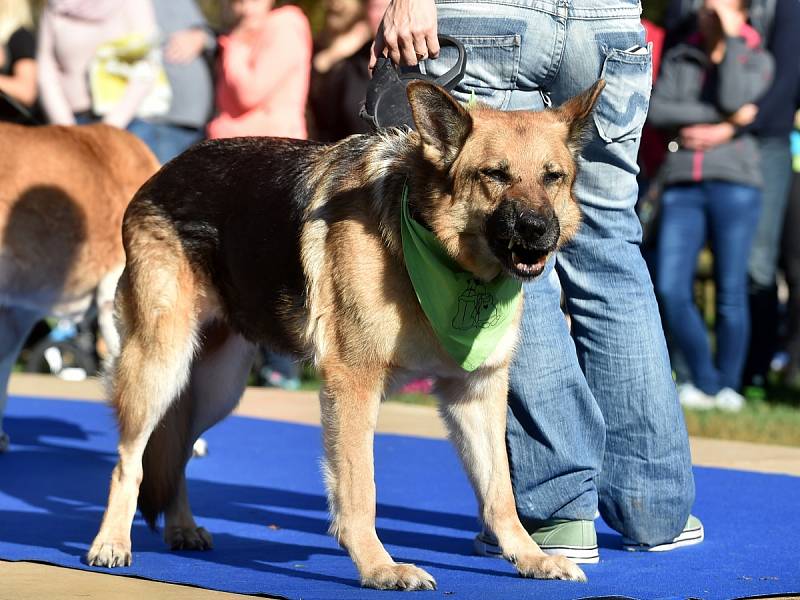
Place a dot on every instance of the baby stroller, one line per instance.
(64, 347)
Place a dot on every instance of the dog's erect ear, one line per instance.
(577, 113)
(443, 124)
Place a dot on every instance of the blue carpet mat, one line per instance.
(259, 492)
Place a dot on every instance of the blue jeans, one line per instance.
(727, 214)
(594, 421)
(165, 140)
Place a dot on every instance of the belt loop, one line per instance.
(563, 8)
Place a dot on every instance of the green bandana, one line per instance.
(468, 316)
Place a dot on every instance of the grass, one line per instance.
(769, 417)
(772, 420)
(761, 421)
(420, 399)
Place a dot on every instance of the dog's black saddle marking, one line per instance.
(238, 206)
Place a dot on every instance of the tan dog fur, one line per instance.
(64, 191)
(185, 352)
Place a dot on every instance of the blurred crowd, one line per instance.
(157, 69)
(719, 193)
(716, 160)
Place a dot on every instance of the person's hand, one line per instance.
(705, 137)
(731, 18)
(407, 33)
(744, 116)
(184, 46)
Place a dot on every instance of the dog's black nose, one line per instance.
(531, 226)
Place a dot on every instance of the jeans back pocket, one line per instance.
(492, 58)
(622, 109)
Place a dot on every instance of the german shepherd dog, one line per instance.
(297, 244)
(64, 192)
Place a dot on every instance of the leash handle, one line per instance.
(22, 110)
(452, 76)
(386, 102)
(450, 79)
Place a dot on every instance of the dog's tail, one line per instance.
(156, 305)
(181, 368)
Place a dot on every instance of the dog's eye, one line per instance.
(499, 175)
(553, 177)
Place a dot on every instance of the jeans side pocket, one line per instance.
(622, 109)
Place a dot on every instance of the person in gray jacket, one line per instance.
(711, 193)
(186, 37)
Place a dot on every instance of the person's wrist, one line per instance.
(731, 128)
(733, 30)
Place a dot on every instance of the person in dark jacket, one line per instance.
(714, 77)
(772, 128)
(790, 257)
(337, 94)
(18, 89)
(778, 22)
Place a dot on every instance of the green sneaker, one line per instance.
(692, 534)
(577, 540)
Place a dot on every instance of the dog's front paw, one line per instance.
(550, 567)
(109, 553)
(4, 441)
(188, 538)
(398, 576)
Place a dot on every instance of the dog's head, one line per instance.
(506, 201)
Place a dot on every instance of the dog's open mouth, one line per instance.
(523, 262)
(521, 241)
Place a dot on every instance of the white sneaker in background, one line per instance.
(200, 448)
(694, 398)
(729, 400)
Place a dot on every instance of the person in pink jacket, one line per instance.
(264, 72)
(69, 33)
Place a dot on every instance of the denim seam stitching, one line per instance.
(582, 15)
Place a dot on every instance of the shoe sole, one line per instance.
(699, 404)
(581, 555)
(688, 537)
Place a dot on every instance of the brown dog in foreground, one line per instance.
(297, 244)
(63, 194)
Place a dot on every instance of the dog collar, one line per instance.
(468, 316)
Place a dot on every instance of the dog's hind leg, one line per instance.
(475, 412)
(218, 378)
(157, 301)
(349, 403)
(15, 325)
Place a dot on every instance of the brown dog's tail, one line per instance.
(164, 459)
